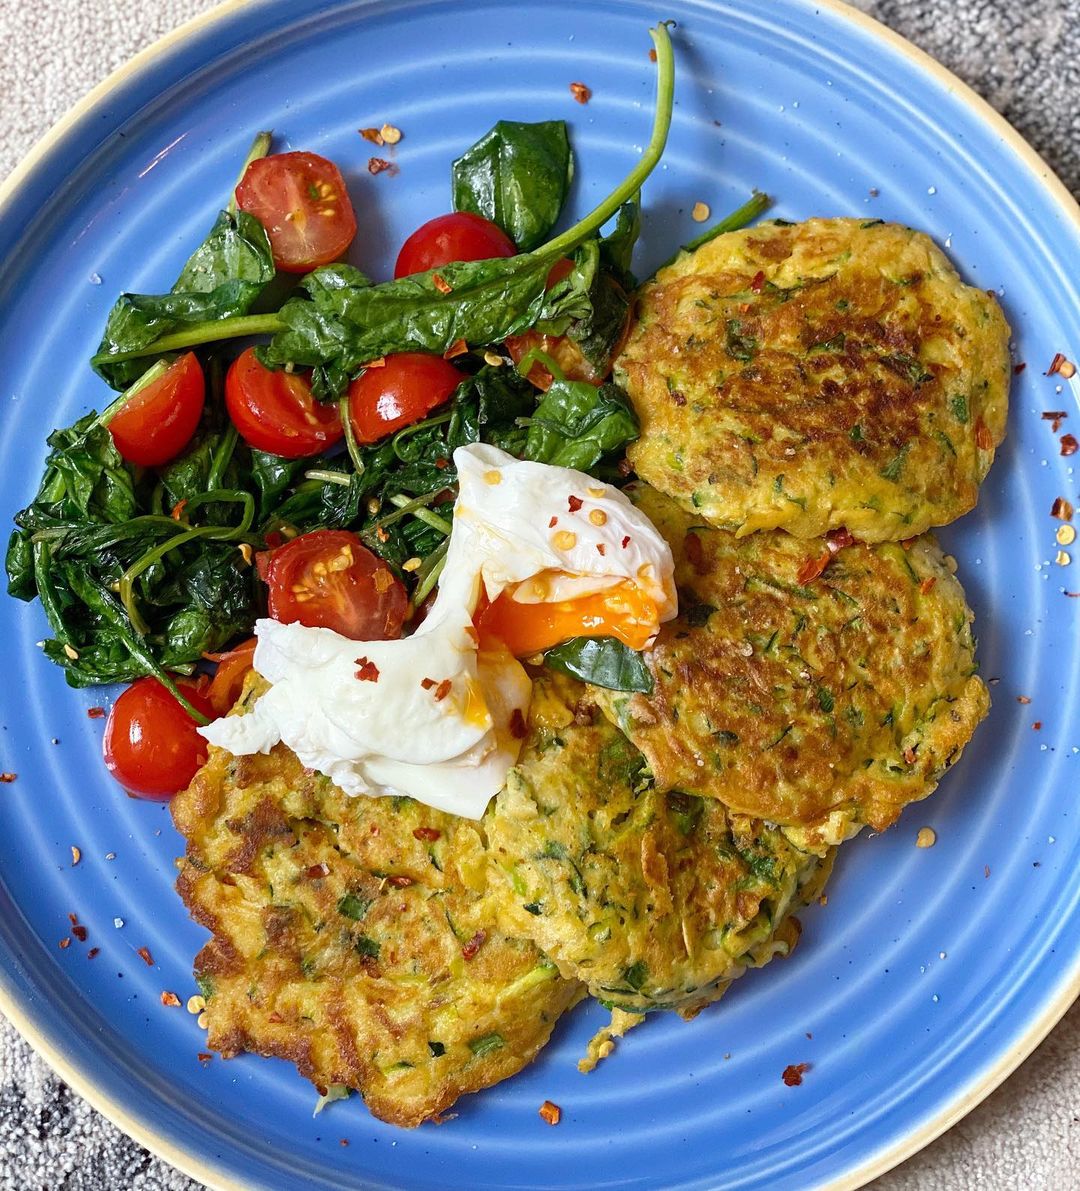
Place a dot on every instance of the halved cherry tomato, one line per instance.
(277, 412)
(461, 236)
(404, 388)
(228, 680)
(301, 200)
(329, 579)
(158, 422)
(151, 746)
(561, 348)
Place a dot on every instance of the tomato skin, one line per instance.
(228, 680)
(460, 236)
(277, 412)
(159, 421)
(561, 348)
(329, 579)
(301, 200)
(405, 388)
(151, 746)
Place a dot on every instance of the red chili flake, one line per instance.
(275, 1017)
(1037, 726)
(580, 92)
(601, 549)
(927, 585)
(575, 503)
(909, 755)
(1023, 699)
(343, 1142)
(317, 871)
(793, 1074)
(626, 542)
(79, 932)
(381, 534)
(1061, 509)
(428, 683)
(178, 510)
(623, 467)
(474, 944)
(1056, 363)
(442, 690)
(813, 568)
(1055, 417)
(442, 285)
(377, 165)
(550, 1112)
(695, 552)
(758, 284)
(64, 944)
(1018, 369)
(838, 539)
(170, 999)
(1073, 595)
(1069, 445)
(73, 919)
(907, 543)
(8, 777)
(441, 463)
(517, 724)
(427, 834)
(95, 713)
(204, 1057)
(678, 398)
(400, 882)
(368, 671)
(984, 440)
(92, 952)
(144, 954)
(371, 134)
(458, 348)
(553, 522)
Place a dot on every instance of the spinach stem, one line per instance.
(209, 332)
(328, 477)
(401, 501)
(433, 568)
(260, 146)
(351, 444)
(222, 456)
(665, 91)
(537, 355)
(745, 214)
(114, 407)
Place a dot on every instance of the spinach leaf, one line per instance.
(576, 424)
(617, 247)
(603, 661)
(221, 279)
(517, 176)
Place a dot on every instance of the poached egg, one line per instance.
(538, 554)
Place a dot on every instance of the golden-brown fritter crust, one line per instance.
(656, 901)
(821, 704)
(810, 376)
(352, 936)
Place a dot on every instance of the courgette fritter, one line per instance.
(822, 704)
(809, 376)
(353, 937)
(655, 901)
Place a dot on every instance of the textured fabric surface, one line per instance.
(1023, 58)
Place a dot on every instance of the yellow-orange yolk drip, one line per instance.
(622, 611)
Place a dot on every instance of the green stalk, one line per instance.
(111, 410)
(430, 572)
(401, 501)
(328, 477)
(746, 214)
(351, 444)
(260, 146)
(537, 355)
(210, 332)
(222, 456)
(665, 91)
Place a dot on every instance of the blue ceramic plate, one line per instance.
(930, 973)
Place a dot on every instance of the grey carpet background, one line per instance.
(1025, 59)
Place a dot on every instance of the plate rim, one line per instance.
(986, 1081)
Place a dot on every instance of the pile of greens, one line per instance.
(148, 571)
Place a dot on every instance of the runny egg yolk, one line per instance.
(622, 611)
